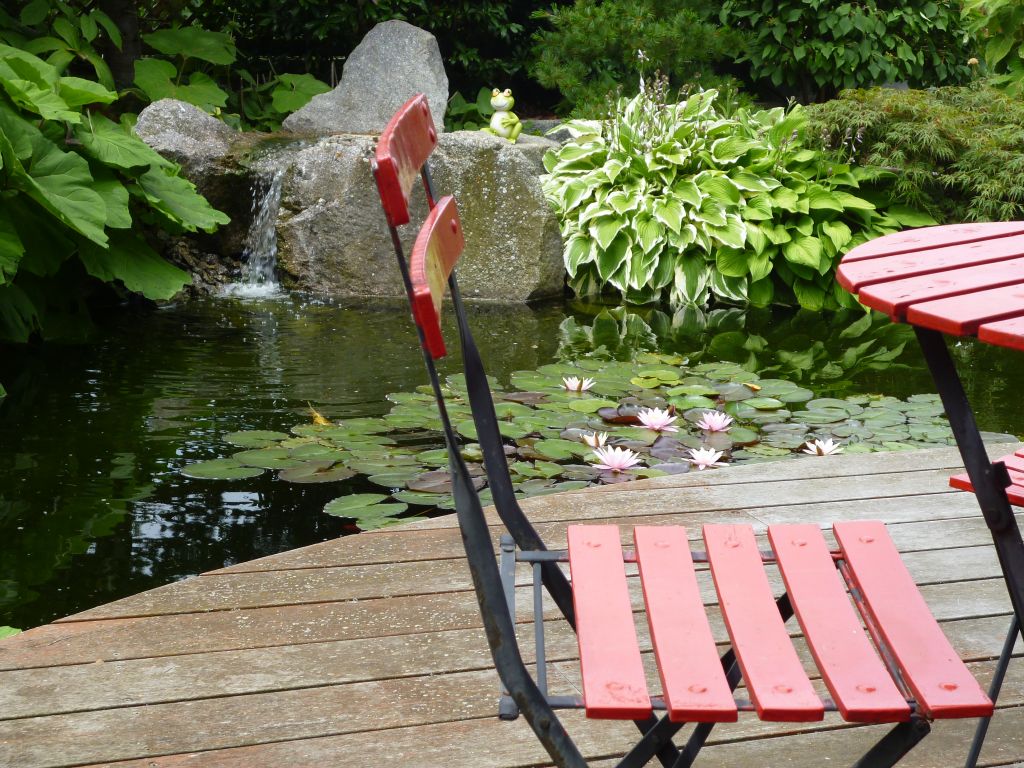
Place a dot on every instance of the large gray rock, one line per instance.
(185, 134)
(332, 238)
(392, 63)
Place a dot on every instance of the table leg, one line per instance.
(989, 480)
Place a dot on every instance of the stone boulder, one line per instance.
(392, 63)
(185, 134)
(332, 238)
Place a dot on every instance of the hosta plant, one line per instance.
(691, 201)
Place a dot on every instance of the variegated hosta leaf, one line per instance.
(690, 280)
(732, 288)
(579, 250)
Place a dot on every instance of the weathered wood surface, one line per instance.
(368, 649)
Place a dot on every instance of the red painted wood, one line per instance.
(692, 678)
(437, 249)
(894, 297)
(614, 686)
(403, 148)
(962, 315)
(857, 274)
(941, 684)
(930, 237)
(858, 681)
(1014, 464)
(1004, 333)
(774, 675)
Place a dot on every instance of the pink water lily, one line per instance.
(596, 439)
(657, 420)
(702, 458)
(715, 421)
(822, 447)
(615, 459)
(577, 384)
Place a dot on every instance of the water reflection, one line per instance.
(92, 507)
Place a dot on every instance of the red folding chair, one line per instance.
(884, 661)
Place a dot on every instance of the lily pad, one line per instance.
(254, 438)
(764, 403)
(342, 505)
(220, 469)
(316, 472)
(267, 458)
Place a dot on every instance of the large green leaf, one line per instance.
(39, 100)
(670, 213)
(115, 197)
(16, 64)
(19, 318)
(11, 248)
(194, 42)
(158, 79)
(58, 181)
(177, 198)
(132, 262)
(78, 92)
(112, 144)
(295, 91)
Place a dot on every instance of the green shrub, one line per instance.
(74, 185)
(956, 152)
(687, 202)
(591, 48)
(1000, 23)
(462, 115)
(812, 48)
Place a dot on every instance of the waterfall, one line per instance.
(259, 259)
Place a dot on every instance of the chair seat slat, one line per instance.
(931, 237)
(962, 315)
(941, 684)
(778, 685)
(862, 688)
(692, 678)
(1015, 466)
(614, 685)
(855, 275)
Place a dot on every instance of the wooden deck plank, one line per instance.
(163, 729)
(300, 668)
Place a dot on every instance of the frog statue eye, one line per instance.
(508, 92)
(495, 92)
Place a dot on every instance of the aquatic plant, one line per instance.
(657, 420)
(550, 433)
(715, 421)
(824, 447)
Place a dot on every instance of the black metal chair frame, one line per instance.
(494, 585)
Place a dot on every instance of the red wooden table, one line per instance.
(961, 280)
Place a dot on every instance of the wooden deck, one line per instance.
(365, 651)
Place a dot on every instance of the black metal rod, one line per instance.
(538, 629)
(993, 692)
(989, 480)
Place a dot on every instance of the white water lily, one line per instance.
(577, 384)
(596, 439)
(715, 421)
(702, 458)
(822, 447)
(615, 459)
(657, 419)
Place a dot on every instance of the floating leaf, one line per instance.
(326, 471)
(254, 438)
(220, 469)
(342, 505)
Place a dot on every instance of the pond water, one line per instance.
(93, 508)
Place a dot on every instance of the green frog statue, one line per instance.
(504, 121)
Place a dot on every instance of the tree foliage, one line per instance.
(813, 48)
(1000, 24)
(955, 152)
(591, 48)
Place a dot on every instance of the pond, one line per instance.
(92, 437)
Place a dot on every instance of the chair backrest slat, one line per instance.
(404, 146)
(437, 249)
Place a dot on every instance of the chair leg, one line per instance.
(652, 743)
(993, 692)
(894, 746)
